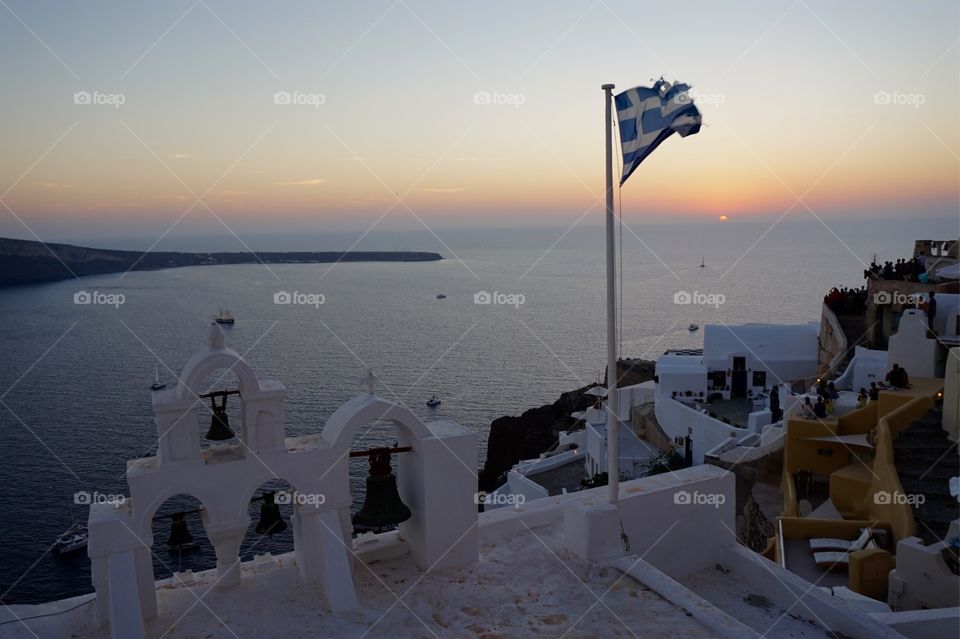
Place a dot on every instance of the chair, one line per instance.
(831, 553)
(843, 545)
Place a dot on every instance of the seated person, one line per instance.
(874, 392)
(862, 398)
(828, 404)
(897, 377)
(820, 409)
(832, 391)
(806, 409)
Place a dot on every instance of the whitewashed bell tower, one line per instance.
(436, 479)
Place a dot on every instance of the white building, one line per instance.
(719, 398)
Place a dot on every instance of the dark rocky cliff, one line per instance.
(536, 430)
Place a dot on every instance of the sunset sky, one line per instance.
(851, 107)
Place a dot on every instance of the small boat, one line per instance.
(73, 539)
(703, 263)
(223, 317)
(157, 384)
(441, 296)
(693, 327)
(434, 401)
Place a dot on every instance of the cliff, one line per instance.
(536, 430)
(28, 262)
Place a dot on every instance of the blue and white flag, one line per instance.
(648, 116)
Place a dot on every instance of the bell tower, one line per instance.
(431, 496)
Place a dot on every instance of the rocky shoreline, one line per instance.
(513, 438)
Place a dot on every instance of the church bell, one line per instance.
(219, 422)
(270, 522)
(382, 506)
(179, 535)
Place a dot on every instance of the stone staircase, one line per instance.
(925, 461)
(854, 326)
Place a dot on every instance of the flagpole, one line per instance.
(613, 407)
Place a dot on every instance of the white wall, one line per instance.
(702, 498)
(675, 418)
(911, 347)
(680, 373)
(865, 367)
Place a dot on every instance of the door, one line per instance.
(738, 385)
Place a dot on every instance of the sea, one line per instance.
(523, 320)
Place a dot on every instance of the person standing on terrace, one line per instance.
(820, 409)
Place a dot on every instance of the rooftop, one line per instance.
(540, 572)
(525, 583)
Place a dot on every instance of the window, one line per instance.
(760, 378)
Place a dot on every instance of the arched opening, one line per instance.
(179, 539)
(270, 509)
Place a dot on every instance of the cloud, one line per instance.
(436, 190)
(181, 156)
(54, 186)
(309, 182)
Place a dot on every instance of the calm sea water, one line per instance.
(74, 378)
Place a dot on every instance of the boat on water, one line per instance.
(224, 317)
(434, 401)
(441, 296)
(74, 538)
(693, 327)
(703, 263)
(157, 384)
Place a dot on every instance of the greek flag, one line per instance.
(648, 116)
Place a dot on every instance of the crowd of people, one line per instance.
(896, 378)
(912, 270)
(846, 300)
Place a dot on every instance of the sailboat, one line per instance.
(703, 262)
(157, 384)
(74, 538)
(224, 317)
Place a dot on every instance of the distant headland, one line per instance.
(29, 262)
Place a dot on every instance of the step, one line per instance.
(927, 424)
(931, 532)
(925, 486)
(938, 509)
(921, 451)
(913, 470)
(917, 465)
(931, 448)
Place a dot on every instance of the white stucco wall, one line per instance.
(911, 347)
